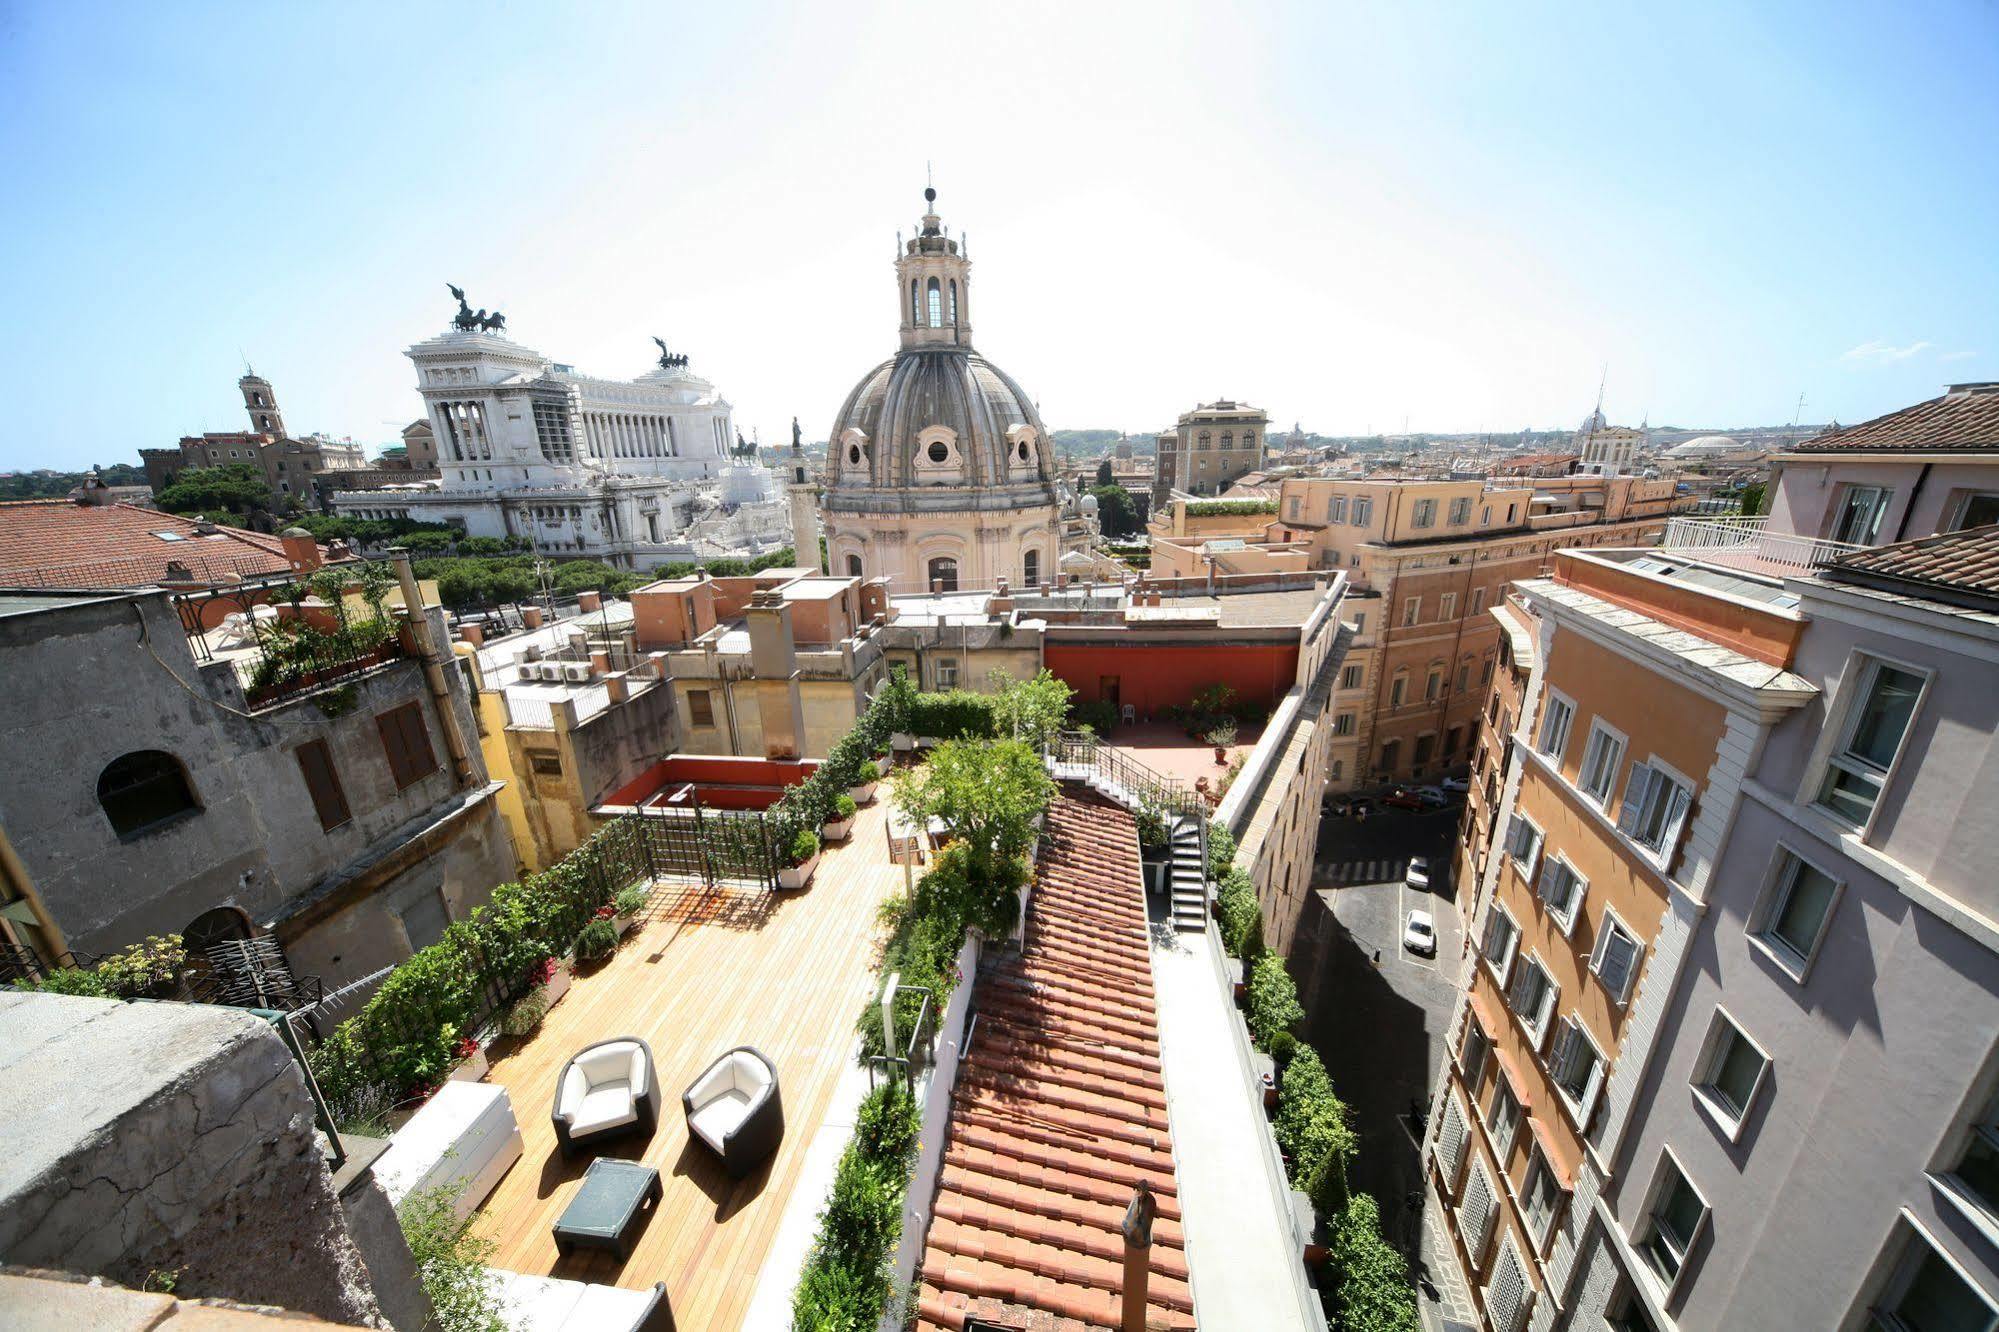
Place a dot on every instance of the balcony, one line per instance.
(1749, 545)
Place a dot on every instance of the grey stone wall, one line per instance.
(169, 1138)
(93, 681)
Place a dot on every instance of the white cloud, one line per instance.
(1884, 353)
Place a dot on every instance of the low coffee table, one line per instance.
(607, 1207)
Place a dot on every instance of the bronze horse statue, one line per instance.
(466, 321)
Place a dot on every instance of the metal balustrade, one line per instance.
(1747, 543)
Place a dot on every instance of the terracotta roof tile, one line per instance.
(1965, 561)
(1060, 1107)
(90, 547)
(1963, 420)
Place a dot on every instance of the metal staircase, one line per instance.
(1114, 774)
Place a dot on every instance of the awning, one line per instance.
(1551, 1152)
(1511, 1068)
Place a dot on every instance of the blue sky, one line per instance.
(1349, 216)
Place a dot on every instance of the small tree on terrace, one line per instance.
(986, 793)
(1030, 710)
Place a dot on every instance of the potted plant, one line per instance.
(863, 791)
(804, 853)
(884, 758)
(599, 938)
(472, 1062)
(554, 978)
(526, 1013)
(1222, 736)
(841, 825)
(628, 903)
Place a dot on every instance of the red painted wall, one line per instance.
(707, 771)
(1153, 677)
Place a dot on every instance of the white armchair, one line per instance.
(604, 1089)
(735, 1107)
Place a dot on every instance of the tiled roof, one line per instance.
(62, 544)
(1964, 420)
(1965, 561)
(1060, 1108)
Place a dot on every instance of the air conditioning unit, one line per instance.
(576, 672)
(550, 671)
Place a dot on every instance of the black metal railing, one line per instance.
(1170, 795)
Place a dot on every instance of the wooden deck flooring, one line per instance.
(785, 972)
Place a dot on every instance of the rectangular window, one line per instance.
(1464, 678)
(1615, 958)
(1397, 690)
(1425, 743)
(1672, 1222)
(1477, 600)
(1362, 513)
(1562, 891)
(1543, 1195)
(1927, 1291)
(1447, 606)
(1478, 1048)
(947, 672)
(1654, 810)
(406, 742)
(315, 761)
(1343, 723)
(1291, 510)
(1460, 511)
(1860, 515)
(1977, 1172)
(1432, 684)
(1532, 997)
(1870, 738)
(1729, 1071)
(1795, 910)
(1350, 677)
(1501, 937)
(1411, 608)
(548, 765)
(1600, 762)
(1475, 1218)
(1523, 844)
(1426, 513)
(1485, 672)
(1577, 1068)
(1360, 623)
(1506, 1293)
(1502, 1116)
(1555, 725)
(700, 707)
(1336, 509)
(424, 919)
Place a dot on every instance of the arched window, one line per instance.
(213, 926)
(142, 790)
(943, 574)
(1030, 568)
(915, 305)
(1206, 440)
(936, 304)
(853, 566)
(954, 302)
(1228, 439)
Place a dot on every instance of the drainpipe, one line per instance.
(433, 670)
(1137, 1230)
(1909, 505)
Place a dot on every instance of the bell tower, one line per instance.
(933, 286)
(262, 405)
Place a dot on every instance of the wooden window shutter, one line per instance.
(1451, 1144)
(329, 801)
(1476, 1223)
(1506, 1297)
(406, 742)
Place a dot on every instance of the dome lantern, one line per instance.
(933, 285)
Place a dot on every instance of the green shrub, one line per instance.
(450, 1263)
(844, 806)
(630, 901)
(1273, 1000)
(1369, 1281)
(956, 714)
(1241, 917)
(804, 846)
(849, 1278)
(598, 940)
(1100, 716)
(69, 980)
(526, 1013)
(1221, 851)
(144, 968)
(1216, 507)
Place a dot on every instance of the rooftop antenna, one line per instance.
(1798, 414)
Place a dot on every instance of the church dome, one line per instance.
(1706, 446)
(944, 416)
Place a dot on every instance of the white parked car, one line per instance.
(1418, 876)
(1459, 785)
(1420, 934)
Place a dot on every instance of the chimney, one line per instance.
(473, 634)
(301, 550)
(589, 603)
(600, 663)
(616, 689)
(774, 662)
(531, 616)
(1137, 1230)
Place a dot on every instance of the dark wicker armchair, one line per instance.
(735, 1107)
(606, 1089)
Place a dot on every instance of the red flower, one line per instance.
(467, 1047)
(606, 911)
